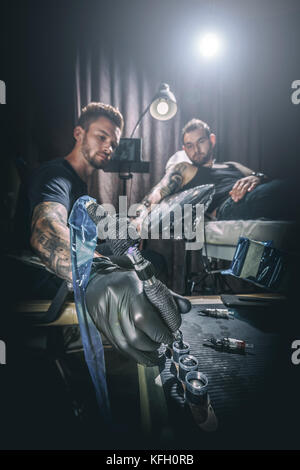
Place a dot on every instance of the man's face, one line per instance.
(99, 142)
(198, 146)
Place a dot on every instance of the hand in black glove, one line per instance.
(121, 311)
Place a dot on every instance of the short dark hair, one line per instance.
(194, 124)
(94, 111)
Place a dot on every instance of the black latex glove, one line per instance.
(121, 311)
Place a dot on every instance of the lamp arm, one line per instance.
(139, 120)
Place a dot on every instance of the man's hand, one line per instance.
(243, 186)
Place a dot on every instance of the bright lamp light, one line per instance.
(163, 106)
(209, 45)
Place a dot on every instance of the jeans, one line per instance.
(274, 200)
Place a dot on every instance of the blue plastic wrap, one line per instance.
(83, 243)
(267, 270)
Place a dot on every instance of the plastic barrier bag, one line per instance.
(178, 215)
(83, 243)
(259, 263)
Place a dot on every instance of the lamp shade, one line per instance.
(163, 106)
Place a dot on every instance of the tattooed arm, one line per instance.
(50, 238)
(176, 177)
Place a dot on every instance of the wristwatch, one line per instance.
(261, 176)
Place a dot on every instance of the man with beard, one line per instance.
(240, 193)
(115, 301)
(57, 184)
(114, 288)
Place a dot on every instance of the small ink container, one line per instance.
(187, 363)
(196, 387)
(179, 350)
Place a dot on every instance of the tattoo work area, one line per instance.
(50, 235)
(176, 177)
(50, 238)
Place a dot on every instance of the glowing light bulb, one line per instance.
(162, 107)
(209, 45)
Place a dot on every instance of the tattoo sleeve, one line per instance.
(170, 183)
(50, 238)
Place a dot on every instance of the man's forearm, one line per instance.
(51, 241)
(172, 182)
(50, 238)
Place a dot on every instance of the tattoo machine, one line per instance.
(117, 239)
(157, 293)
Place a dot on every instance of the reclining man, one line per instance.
(240, 193)
(114, 297)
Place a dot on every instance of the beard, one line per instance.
(206, 158)
(92, 158)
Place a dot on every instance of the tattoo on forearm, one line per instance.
(50, 238)
(173, 184)
(52, 210)
(170, 183)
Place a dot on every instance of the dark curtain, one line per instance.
(122, 63)
(243, 94)
(57, 56)
(127, 48)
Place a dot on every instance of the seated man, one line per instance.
(54, 188)
(240, 193)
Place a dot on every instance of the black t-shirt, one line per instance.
(53, 181)
(222, 178)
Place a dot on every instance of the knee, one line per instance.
(270, 189)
